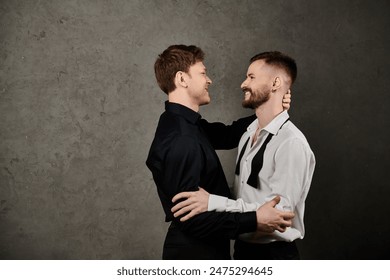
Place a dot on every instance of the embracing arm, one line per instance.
(217, 224)
(201, 201)
(291, 181)
(225, 137)
(182, 168)
(268, 217)
(220, 203)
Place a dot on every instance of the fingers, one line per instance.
(181, 196)
(185, 207)
(281, 228)
(288, 215)
(182, 211)
(285, 223)
(190, 212)
(185, 195)
(274, 201)
(286, 102)
(190, 198)
(287, 95)
(180, 205)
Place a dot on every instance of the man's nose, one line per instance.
(243, 85)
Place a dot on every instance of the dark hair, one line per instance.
(175, 58)
(279, 59)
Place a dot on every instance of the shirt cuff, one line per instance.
(248, 222)
(217, 203)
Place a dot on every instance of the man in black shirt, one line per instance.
(182, 157)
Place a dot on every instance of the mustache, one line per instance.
(245, 89)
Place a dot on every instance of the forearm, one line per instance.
(224, 204)
(226, 137)
(223, 225)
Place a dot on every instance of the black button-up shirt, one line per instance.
(182, 157)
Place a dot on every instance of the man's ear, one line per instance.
(276, 84)
(180, 79)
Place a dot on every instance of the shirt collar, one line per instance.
(274, 126)
(183, 111)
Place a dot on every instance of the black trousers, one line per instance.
(180, 246)
(278, 250)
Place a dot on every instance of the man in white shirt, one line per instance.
(274, 159)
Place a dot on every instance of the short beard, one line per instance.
(256, 100)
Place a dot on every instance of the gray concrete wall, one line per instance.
(79, 105)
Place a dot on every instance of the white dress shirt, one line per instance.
(287, 171)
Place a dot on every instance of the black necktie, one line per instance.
(257, 161)
(240, 157)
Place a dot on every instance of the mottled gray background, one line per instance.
(79, 105)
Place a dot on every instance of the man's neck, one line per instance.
(182, 98)
(268, 111)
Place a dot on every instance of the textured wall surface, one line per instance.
(79, 105)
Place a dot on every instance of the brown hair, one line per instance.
(175, 58)
(280, 60)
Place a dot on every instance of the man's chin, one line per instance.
(247, 104)
(205, 102)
